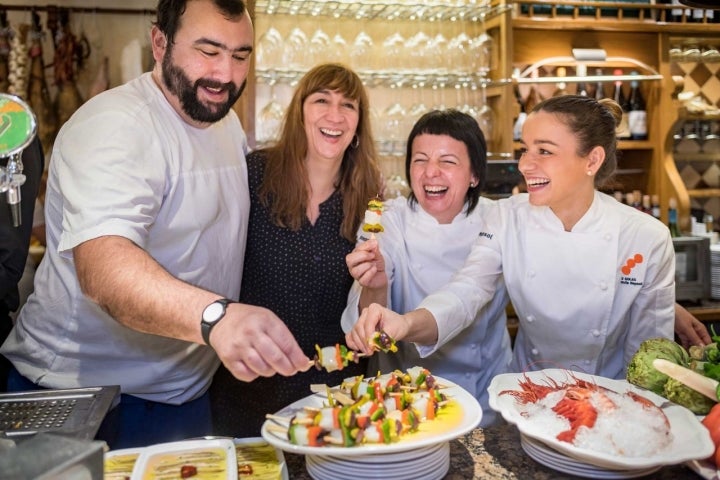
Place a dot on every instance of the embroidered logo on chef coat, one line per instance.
(627, 270)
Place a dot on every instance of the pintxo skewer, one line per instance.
(337, 357)
(373, 216)
(383, 342)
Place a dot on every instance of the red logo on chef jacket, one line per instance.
(630, 264)
(627, 270)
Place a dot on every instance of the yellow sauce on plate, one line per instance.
(119, 467)
(257, 461)
(449, 416)
(211, 464)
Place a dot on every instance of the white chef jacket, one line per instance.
(585, 299)
(420, 257)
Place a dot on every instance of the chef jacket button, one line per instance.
(596, 333)
(607, 237)
(534, 351)
(474, 346)
(587, 362)
(531, 273)
(603, 286)
(530, 319)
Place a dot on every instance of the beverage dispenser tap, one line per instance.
(15, 179)
(18, 127)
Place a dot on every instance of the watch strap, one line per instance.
(206, 327)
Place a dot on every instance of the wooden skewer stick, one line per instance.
(278, 418)
(343, 398)
(332, 440)
(319, 388)
(277, 429)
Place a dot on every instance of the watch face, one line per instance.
(213, 312)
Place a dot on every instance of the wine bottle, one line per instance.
(646, 204)
(637, 114)
(599, 88)
(676, 14)
(655, 206)
(534, 96)
(623, 130)
(581, 72)
(561, 86)
(522, 115)
(673, 219)
(637, 200)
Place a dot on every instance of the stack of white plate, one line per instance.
(428, 463)
(542, 453)
(715, 271)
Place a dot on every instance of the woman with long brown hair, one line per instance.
(309, 192)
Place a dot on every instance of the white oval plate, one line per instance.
(691, 439)
(428, 433)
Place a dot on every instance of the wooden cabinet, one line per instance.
(641, 32)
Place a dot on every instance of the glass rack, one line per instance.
(647, 73)
(381, 9)
(387, 78)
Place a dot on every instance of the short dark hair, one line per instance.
(170, 11)
(463, 128)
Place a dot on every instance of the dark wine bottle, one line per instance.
(623, 130)
(599, 87)
(522, 115)
(581, 72)
(637, 115)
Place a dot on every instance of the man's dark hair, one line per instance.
(170, 11)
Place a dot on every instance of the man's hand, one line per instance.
(253, 342)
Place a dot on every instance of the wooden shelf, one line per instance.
(622, 145)
(704, 193)
(635, 145)
(620, 16)
(696, 157)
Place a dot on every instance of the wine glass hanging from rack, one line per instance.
(366, 10)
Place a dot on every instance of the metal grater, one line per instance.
(77, 411)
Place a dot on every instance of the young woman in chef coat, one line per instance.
(426, 238)
(589, 277)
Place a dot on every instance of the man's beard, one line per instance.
(181, 86)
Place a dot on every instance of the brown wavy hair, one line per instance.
(285, 189)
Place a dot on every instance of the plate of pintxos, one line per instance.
(389, 413)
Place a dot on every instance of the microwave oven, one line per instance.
(692, 268)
